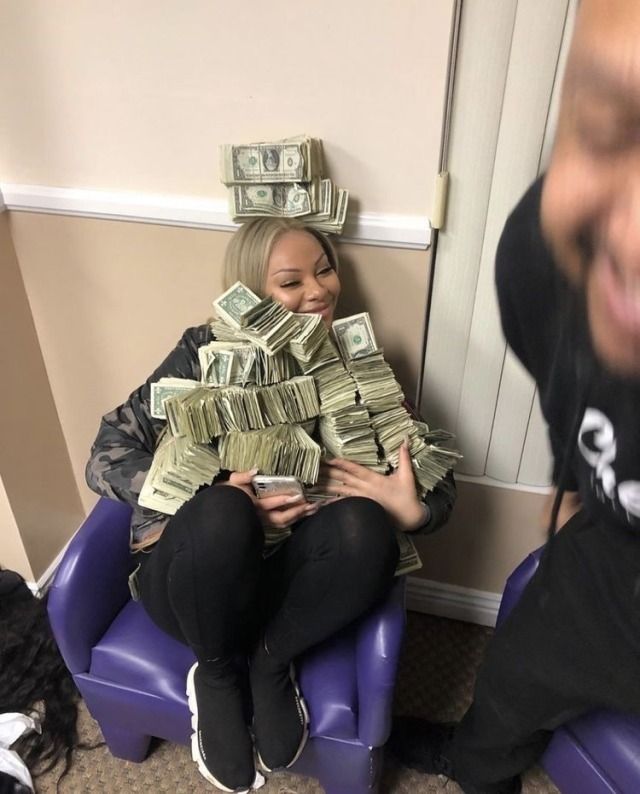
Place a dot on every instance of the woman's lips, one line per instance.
(324, 310)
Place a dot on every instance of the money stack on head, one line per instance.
(278, 392)
(282, 179)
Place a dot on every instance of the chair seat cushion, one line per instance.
(612, 740)
(134, 652)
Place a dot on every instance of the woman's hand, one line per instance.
(396, 492)
(273, 511)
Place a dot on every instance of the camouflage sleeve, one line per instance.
(123, 450)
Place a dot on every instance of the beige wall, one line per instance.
(12, 552)
(491, 530)
(137, 94)
(34, 463)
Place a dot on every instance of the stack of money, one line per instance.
(336, 388)
(409, 559)
(276, 450)
(377, 386)
(165, 388)
(254, 409)
(347, 433)
(392, 427)
(297, 159)
(275, 368)
(227, 363)
(282, 179)
(204, 413)
(178, 470)
(265, 322)
(310, 337)
(194, 415)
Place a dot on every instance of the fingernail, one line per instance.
(295, 498)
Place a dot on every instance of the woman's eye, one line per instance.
(287, 284)
(323, 271)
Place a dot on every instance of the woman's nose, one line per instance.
(315, 289)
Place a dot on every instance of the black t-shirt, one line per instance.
(543, 319)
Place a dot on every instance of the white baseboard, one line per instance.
(452, 601)
(371, 228)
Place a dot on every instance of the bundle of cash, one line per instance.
(275, 368)
(165, 388)
(336, 388)
(284, 200)
(194, 415)
(409, 559)
(232, 306)
(392, 428)
(310, 337)
(178, 470)
(227, 363)
(281, 449)
(354, 336)
(347, 433)
(376, 384)
(264, 322)
(325, 353)
(270, 325)
(297, 159)
(432, 464)
(282, 179)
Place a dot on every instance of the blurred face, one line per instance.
(591, 196)
(300, 277)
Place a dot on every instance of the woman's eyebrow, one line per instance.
(287, 270)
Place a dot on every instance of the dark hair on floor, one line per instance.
(33, 678)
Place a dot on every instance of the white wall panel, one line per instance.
(477, 388)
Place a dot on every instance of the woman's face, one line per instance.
(300, 277)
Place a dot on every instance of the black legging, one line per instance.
(207, 583)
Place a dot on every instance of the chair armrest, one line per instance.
(378, 645)
(517, 582)
(90, 585)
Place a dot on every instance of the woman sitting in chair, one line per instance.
(204, 576)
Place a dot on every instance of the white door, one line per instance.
(510, 59)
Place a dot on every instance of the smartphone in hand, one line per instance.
(267, 485)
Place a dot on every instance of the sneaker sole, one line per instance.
(195, 745)
(304, 713)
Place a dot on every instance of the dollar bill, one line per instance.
(235, 303)
(165, 388)
(290, 160)
(281, 200)
(354, 336)
(409, 559)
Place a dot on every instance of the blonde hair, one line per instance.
(247, 256)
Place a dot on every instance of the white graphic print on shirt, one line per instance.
(597, 443)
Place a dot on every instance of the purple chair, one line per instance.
(598, 753)
(132, 675)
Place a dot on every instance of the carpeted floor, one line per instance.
(435, 681)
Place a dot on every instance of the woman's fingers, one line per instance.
(268, 503)
(242, 477)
